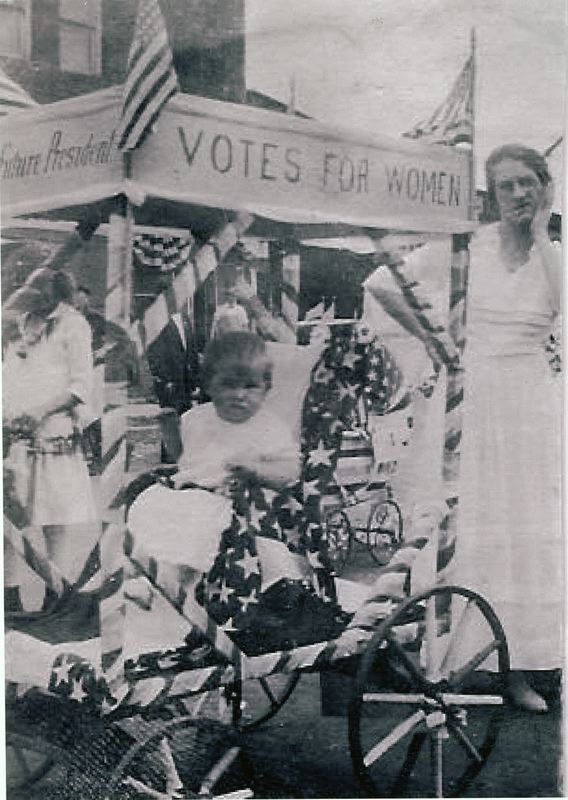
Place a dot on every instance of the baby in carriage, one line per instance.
(234, 439)
(236, 436)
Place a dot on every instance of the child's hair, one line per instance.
(241, 347)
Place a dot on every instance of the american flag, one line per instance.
(151, 79)
(452, 122)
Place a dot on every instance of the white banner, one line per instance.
(222, 155)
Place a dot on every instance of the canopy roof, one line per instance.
(206, 156)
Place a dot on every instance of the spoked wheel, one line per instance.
(339, 537)
(180, 758)
(384, 530)
(256, 701)
(28, 760)
(429, 696)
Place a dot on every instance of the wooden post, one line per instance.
(119, 269)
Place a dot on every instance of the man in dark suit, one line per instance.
(174, 363)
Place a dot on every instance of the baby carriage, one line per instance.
(141, 708)
(359, 506)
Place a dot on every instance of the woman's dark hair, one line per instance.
(56, 286)
(63, 287)
(237, 347)
(41, 280)
(514, 152)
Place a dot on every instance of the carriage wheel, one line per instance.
(339, 537)
(256, 701)
(384, 530)
(27, 761)
(180, 758)
(429, 696)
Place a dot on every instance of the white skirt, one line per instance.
(509, 544)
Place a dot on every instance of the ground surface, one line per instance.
(302, 754)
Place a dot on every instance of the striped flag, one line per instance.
(452, 122)
(151, 79)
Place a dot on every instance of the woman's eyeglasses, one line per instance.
(508, 186)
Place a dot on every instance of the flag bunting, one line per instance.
(168, 254)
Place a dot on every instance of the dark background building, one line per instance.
(62, 48)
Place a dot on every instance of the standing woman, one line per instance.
(509, 545)
(51, 391)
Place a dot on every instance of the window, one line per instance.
(80, 36)
(15, 28)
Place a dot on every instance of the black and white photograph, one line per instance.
(282, 291)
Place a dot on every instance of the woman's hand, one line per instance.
(550, 254)
(433, 353)
(277, 472)
(541, 219)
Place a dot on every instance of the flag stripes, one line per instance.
(421, 308)
(455, 387)
(452, 122)
(143, 332)
(151, 78)
(114, 474)
(194, 272)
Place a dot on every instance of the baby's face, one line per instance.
(238, 390)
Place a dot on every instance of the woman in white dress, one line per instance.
(47, 382)
(509, 542)
(509, 545)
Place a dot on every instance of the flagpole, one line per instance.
(472, 176)
(459, 275)
(549, 150)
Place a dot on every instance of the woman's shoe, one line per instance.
(524, 696)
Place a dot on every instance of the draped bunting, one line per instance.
(165, 253)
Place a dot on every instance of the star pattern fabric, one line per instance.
(348, 373)
(76, 679)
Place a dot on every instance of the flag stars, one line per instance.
(249, 564)
(225, 594)
(321, 455)
(78, 692)
(292, 505)
(335, 425)
(310, 488)
(347, 391)
(247, 601)
(256, 515)
(322, 374)
(350, 359)
(61, 672)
